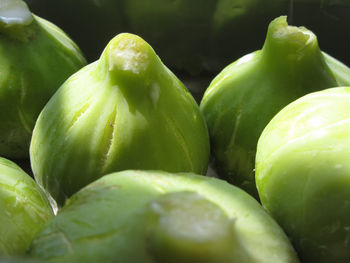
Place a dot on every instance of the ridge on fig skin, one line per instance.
(129, 57)
(109, 133)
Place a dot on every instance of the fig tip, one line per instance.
(129, 53)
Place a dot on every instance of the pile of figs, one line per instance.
(114, 159)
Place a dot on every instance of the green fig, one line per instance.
(24, 209)
(244, 97)
(124, 111)
(303, 174)
(155, 216)
(36, 58)
(23, 259)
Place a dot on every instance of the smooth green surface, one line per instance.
(24, 259)
(138, 216)
(36, 58)
(303, 174)
(244, 97)
(24, 209)
(124, 111)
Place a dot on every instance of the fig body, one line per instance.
(36, 58)
(125, 111)
(24, 259)
(303, 174)
(244, 97)
(154, 216)
(24, 209)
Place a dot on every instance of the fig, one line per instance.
(36, 58)
(244, 97)
(303, 174)
(23, 259)
(155, 216)
(127, 110)
(24, 209)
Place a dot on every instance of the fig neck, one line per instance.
(291, 48)
(130, 64)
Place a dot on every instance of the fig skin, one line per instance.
(36, 58)
(154, 216)
(23, 259)
(125, 111)
(24, 209)
(245, 96)
(303, 174)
